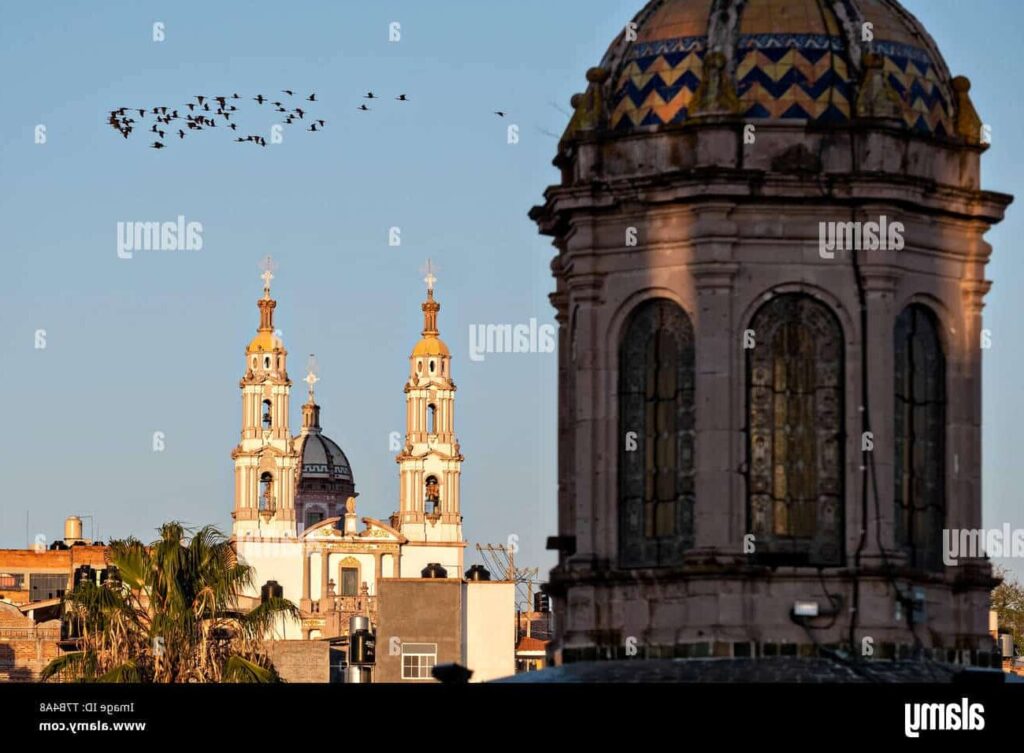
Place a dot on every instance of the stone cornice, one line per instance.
(758, 187)
(879, 278)
(974, 292)
(586, 286)
(714, 275)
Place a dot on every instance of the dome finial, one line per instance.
(268, 266)
(310, 410)
(266, 303)
(430, 306)
(311, 377)
(430, 279)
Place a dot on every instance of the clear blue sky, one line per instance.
(155, 343)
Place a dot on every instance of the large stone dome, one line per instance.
(782, 59)
(714, 159)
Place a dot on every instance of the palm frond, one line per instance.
(74, 665)
(122, 673)
(239, 669)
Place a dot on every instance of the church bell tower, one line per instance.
(430, 464)
(265, 460)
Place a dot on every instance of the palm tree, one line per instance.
(170, 614)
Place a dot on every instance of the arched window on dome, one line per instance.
(267, 418)
(795, 432)
(919, 466)
(266, 500)
(656, 436)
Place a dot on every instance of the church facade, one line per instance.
(770, 276)
(295, 520)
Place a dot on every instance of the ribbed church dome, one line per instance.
(781, 59)
(322, 458)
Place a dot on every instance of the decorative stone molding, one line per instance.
(588, 108)
(714, 276)
(875, 95)
(974, 292)
(716, 94)
(968, 122)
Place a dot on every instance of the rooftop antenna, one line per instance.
(501, 559)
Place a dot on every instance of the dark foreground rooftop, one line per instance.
(760, 670)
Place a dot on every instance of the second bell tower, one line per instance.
(430, 464)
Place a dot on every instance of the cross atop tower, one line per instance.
(268, 266)
(311, 378)
(430, 279)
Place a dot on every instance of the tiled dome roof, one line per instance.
(782, 59)
(322, 458)
(431, 346)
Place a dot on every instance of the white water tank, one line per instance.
(72, 529)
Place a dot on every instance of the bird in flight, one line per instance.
(363, 107)
(401, 98)
(201, 114)
(369, 95)
(499, 113)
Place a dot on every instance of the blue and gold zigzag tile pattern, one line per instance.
(657, 82)
(800, 76)
(803, 76)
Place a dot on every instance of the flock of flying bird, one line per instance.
(203, 113)
(199, 115)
